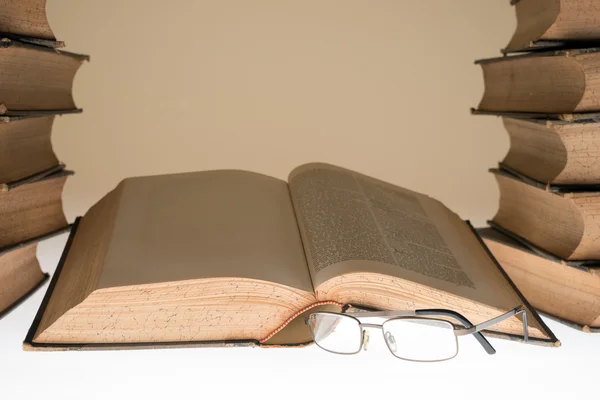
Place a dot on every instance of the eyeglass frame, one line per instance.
(467, 329)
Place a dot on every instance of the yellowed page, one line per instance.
(211, 224)
(353, 223)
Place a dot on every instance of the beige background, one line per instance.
(382, 87)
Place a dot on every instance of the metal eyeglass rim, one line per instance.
(469, 328)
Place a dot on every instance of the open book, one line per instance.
(230, 255)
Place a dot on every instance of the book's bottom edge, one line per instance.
(22, 299)
(33, 346)
(153, 346)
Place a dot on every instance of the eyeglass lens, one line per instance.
(420, 339)
(336, 333)
(413, 339)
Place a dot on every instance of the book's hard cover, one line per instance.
(549, 53)
(585, 117)
(51, 173)
(25, 243)
(510, 239)
(13, 116)
(52, 44)
(552, 45)
(560, 190)
(30, 345)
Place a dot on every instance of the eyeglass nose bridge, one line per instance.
(365, 334)
(367, 325)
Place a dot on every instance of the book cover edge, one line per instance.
(9, 116)
(571, 118)
(50, 173)
(560, 52)
(525, 245)
(6, 42)
(552, 338)
(567, 191)
(50, 43)
(38, 316)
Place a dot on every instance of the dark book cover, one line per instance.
(51, 173)
(52, 44)
(585, 117)
(561, 190)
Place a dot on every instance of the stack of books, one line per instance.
(35, 86)
(546, 88)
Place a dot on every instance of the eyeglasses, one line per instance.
(420, 335)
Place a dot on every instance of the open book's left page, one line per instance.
(213, 255)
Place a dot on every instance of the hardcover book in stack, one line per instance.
(546, 233)
(35, 86)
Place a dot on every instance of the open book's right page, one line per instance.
(371, 243)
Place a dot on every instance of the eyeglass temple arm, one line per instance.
(464, 321)
(494, 321)
(369, 314)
